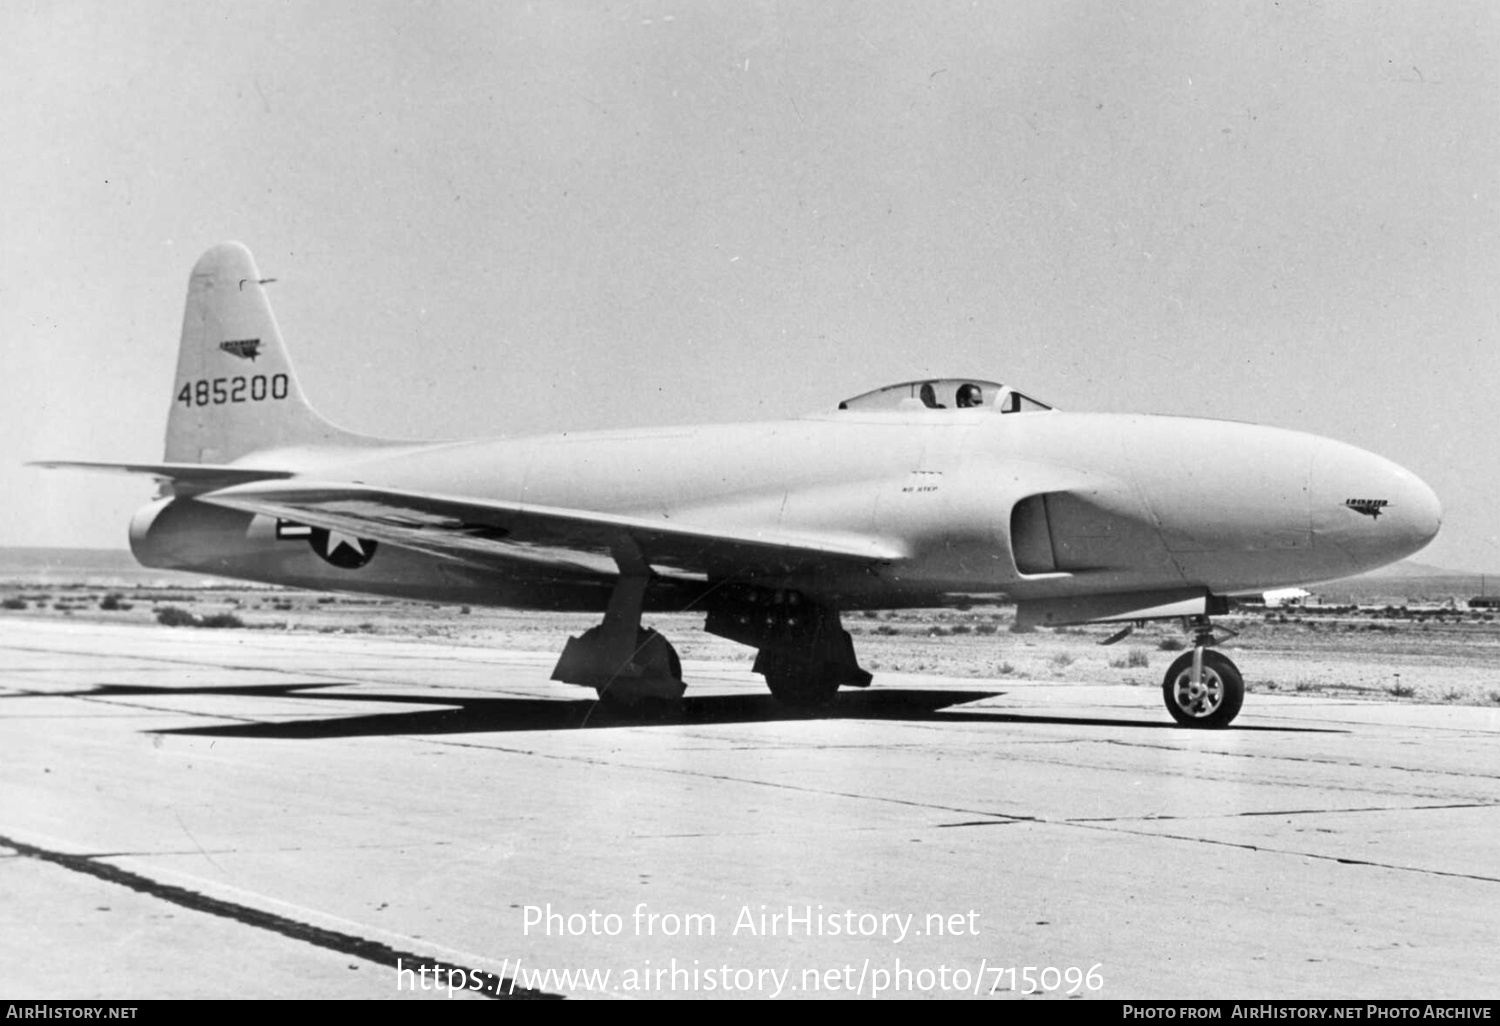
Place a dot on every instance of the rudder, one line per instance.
(235, 391)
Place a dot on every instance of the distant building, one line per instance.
(1286, 597)
(1485, 602)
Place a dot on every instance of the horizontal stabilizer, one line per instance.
(195, 475)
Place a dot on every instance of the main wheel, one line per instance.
(652, 649)
(656, 656)
(1212, 702)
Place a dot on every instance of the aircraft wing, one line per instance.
(462, 527)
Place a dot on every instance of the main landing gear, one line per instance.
(805, 653)
(630, 666)
(1203, 688)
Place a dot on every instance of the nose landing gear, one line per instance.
(1203, 688)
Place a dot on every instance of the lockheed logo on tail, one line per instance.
(244, 348)
(1368, 507)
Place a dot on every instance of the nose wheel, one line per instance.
(1203, 688)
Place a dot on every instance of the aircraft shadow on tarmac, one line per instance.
(477, 715)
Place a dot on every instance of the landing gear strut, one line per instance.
(1203, 688)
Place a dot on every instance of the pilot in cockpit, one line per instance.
(970, 395)
(929, 397)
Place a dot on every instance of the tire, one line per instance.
(1213, 705)
(652, 650)
(655, 649)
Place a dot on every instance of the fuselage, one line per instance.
(980, 504)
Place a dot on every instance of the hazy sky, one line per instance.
(506, 218)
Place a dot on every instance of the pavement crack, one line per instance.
(1273, 757)
(196, 844)
(1278, 812)
(333, 940)
(1246, 846)
(732, 779)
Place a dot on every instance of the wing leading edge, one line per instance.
(464, 528)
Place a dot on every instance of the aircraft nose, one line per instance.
(1371, 510)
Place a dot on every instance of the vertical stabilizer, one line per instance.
(235, 390)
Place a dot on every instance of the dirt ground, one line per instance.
(1411, 654)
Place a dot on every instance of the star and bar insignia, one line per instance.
(342, 550)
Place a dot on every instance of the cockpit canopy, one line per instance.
(944, 394)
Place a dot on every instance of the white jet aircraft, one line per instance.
(928, 493)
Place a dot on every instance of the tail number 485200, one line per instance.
(218, 391)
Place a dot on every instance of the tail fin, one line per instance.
(235, 391)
